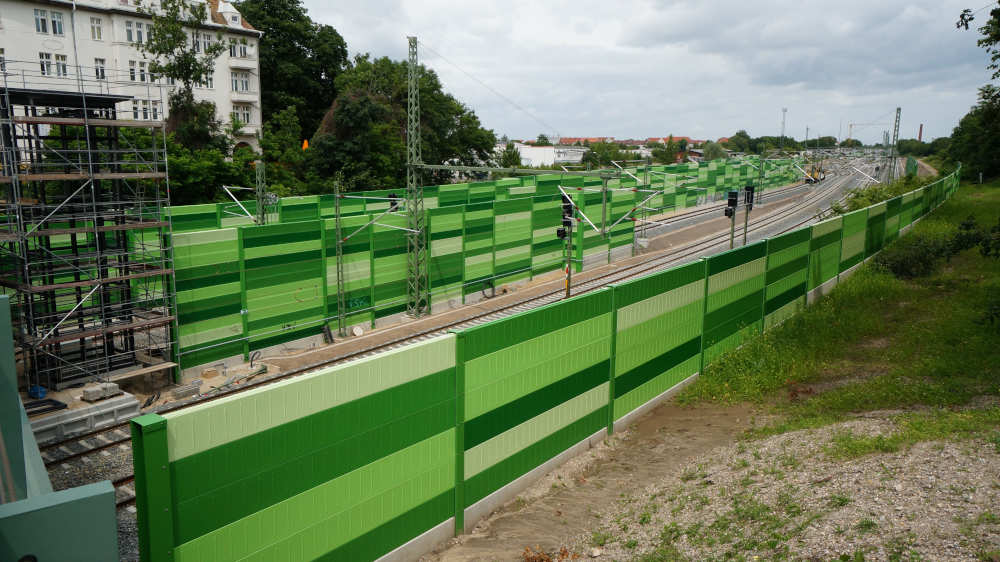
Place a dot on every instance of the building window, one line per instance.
(171, 81)
(3, 61)
(243, 50)
(145, 109)
(128, 31)
(232, 46)
(196, 39)
(41, 21)
(156, 110)
(241, 113)
(57, 27)
(99, 69)
(131, 70)
(241, 81)
(95, 29)
(135, 109)
(235, 18)
(207, 38)
(61, 69)
(142, 71)
(138, 32)
(45, 62)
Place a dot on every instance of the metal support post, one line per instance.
(341, 296)
(732, 230)
(416, 237)
(746, 222)
(569, 255)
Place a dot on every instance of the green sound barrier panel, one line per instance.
(787, 275)
(658, 334)
(852, 250)
(446, 263)
(735, 305)
(534, 384)
(345, 463)
(824, 252)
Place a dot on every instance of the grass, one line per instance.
(881, 343)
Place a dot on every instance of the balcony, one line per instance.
(245, 97)
(243, 63)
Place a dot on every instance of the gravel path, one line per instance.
(783, 497)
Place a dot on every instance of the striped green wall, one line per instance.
(351, 461)
(532, 385)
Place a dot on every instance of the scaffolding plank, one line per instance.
(135, 225)
(83, 176)
(6, 282)
(97, 122)
(100, 331)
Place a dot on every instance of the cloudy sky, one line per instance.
(636, 69)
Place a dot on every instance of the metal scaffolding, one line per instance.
(84, 242)
(417, 270)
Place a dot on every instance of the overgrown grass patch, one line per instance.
(879, 342)
(917, 426)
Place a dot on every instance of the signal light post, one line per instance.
(748, 206)
(734, 199)
(566, 232)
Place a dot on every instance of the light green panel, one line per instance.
(663, 303)
(781, 257)
(853, 245)
(320, 519)
(734, 292)
(640, 343)
(786, 283)
(215, 423)
(735, 282)
(653, 388)
(510, 373)
(731, 342)
(785, 312)
(206, 247)
(519, 437)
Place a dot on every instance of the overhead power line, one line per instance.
(514, 104)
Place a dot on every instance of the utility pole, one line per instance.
(892, 149)
(781, 140)
(417, 282)
(261, 192)
(569, 256)
(734, 200)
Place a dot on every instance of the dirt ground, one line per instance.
(568, 501)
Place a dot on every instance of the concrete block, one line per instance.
(187, 389)
(66, 423)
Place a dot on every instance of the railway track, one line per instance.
(118, 435)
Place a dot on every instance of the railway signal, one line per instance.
(748, 206)
(734, 201)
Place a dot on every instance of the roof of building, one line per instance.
(218, 18)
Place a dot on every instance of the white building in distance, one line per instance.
(547, 155)
(60, 45)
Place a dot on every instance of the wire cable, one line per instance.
(514, 104)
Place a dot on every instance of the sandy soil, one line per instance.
(569, 501)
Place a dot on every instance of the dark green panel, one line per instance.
(655, 284)
(223, 484)
(629, 381)
(496, 421)
(525, 460)
(737, 257)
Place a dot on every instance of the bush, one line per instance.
(917, 254)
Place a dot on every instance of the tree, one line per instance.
(990, 35)
(682, 146)
(188, 63)
(363, 133)
(509, 157)
(739, 142)
(667, 154)
(602, 153)
(851, 143)
(975, 142)
(712, 151)
(543, 140)
(281, 143)
(300, 59)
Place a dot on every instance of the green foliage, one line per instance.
(509, 157)
(543, 140)
(712, 151)
(918, 253)
(602, 153)
(363, 133)
(300, 60)
(975, 142)
(914, 427)
(876, 193)
(194, 124)
(280, 141)
(667, 154)
(168, 49)
(851, 143)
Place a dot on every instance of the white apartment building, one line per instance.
(547, 155)
(92, 45)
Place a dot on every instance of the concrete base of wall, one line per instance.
(67, 423)
(637, 413)
(849, 271)
(422, 544)
(821, 291)
(484, 507)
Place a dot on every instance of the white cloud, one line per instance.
(703, 69)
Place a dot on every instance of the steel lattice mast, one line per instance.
(416, 238)
(892, 148)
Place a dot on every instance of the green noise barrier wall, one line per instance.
(353, 461)
(242, 287)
